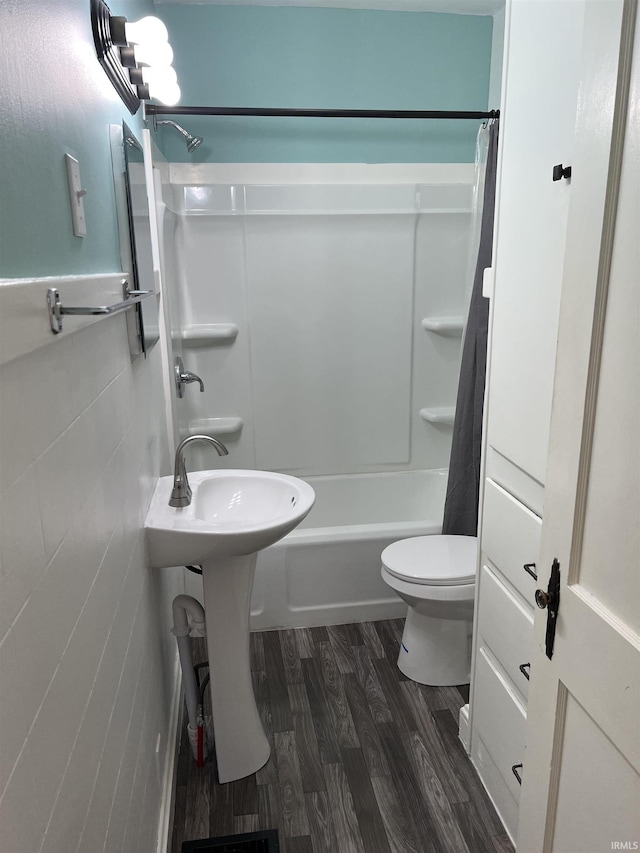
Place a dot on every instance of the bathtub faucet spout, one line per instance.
(181, 494)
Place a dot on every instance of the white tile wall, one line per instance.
(86, 658)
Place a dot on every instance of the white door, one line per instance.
(581, 774)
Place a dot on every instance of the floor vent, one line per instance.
(247, 842)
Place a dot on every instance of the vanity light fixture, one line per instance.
(136, 57)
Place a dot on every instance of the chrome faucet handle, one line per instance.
(181, 493)
(184, 377)
(188, 377)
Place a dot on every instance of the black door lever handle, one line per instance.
(550, 601)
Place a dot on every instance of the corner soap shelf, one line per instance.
(207, 334)
(438, 415)
(215, 427)
(443, 325)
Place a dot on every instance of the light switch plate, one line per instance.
(76, 196)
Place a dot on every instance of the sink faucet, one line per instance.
(181, 494)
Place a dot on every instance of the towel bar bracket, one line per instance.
(57, 310)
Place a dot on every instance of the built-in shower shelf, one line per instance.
(208, 334)
(215, 427)
(438, 415)
(444, 325)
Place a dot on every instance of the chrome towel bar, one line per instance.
(57, 310)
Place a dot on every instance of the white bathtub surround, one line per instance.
(325, 274)
(322, 304)
(86, 735)
(327, 571)
(197, 174)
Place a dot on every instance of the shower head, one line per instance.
(192, 141)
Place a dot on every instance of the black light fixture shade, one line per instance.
(109, 55)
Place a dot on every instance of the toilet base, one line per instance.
(435, 651)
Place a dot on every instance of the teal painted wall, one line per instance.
(56, 99)
(322, 57)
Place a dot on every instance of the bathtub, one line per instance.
(327, 571)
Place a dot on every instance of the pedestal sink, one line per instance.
(232, 516)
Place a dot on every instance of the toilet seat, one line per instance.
(433, 560)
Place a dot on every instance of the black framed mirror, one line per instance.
(139, 232)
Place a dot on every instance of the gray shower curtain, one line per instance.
(463, 486)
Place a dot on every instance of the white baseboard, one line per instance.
(463, 728)
(165, 819)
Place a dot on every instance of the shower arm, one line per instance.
(175, 125)
(192, 141)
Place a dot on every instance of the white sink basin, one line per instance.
(232, 516)
(231, 513)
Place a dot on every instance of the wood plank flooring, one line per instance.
(363, 760)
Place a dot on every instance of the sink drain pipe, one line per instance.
(201, 744)
(183, 605)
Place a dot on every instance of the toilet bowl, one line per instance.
(436, 577)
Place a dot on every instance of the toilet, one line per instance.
(436, 577)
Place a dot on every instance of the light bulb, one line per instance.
(149, 30)
(159, 76)
(166, 93)
(157, 55)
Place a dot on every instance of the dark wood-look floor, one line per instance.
(363, 760)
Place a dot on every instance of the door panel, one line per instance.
(611, 805)
(536, 134)
(581, 783)
(614, 480)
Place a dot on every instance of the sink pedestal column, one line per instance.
(241, 744)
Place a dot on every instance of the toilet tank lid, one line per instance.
(438, 560)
